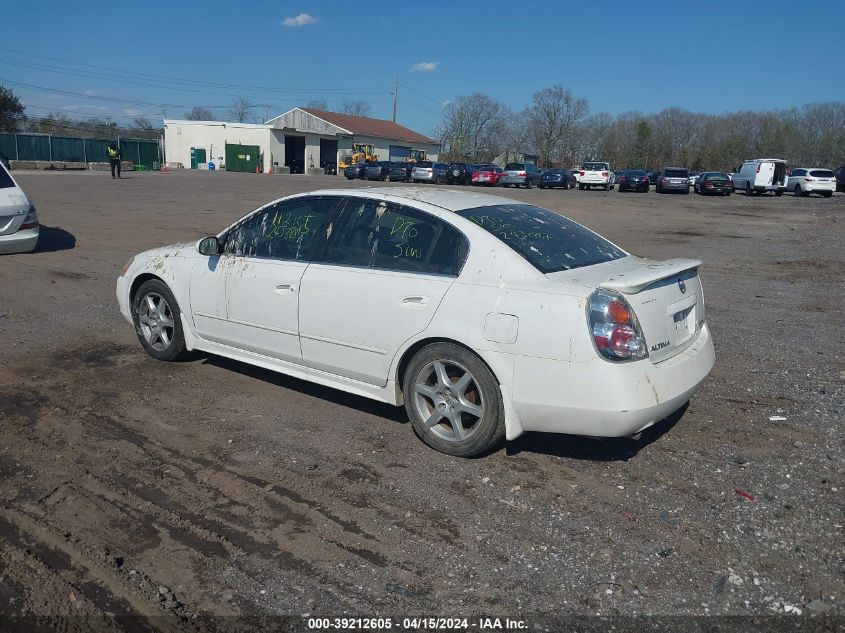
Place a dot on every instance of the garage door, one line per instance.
(399, 154)
(241, 157)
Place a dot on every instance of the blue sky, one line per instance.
(634, 56)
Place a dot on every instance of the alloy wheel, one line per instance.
(448, 399)
(155, 319)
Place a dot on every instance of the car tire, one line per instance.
(686, 191)
(458, 419)
(797, 191)
(580, 187)
(827, 194)
(748, 189)
(778, 194)
(528, 183)
(158, 323)
(349, 177)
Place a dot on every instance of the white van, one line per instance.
(761, 175)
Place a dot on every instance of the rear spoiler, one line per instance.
(634, 281)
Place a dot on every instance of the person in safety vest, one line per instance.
(114, 158)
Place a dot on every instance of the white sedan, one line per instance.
(19, 226)
(484, 316)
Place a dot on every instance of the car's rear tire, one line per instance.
(748, 191)
(580, 187)
(528, 183)
(827, 194)
(778, 194)
(453, 401)
(158, 322)
(797, 191)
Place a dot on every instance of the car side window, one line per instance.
(383, 235)
(285, 230)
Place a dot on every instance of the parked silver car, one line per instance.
(520, 175)
(428, 171)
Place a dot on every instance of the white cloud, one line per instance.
(445, 103)
(131, 112)
(424, 67)
(303, 19)
(89, 93)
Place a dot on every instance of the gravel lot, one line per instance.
(209, 487)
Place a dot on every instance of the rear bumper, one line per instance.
(19, 242)
(424, 177)
(674, 186)
(604, 399)
(513, 180)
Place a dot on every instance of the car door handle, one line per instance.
(286, 289)
(414, 303)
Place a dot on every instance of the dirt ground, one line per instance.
(212, 488)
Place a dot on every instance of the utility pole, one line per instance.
(395, 95)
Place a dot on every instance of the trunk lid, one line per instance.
(14, 206)
(666, 296)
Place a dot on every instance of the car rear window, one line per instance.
(549, 241)
(715, 176)
(5, 179)
(400, 165)
(515, 166)
(634, 173)
(677, 173)
(424, 163)
(595, 167)
(822, 173)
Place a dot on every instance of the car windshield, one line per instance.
(633, 173)
(714, 176)
(822, 173)
(6, 181)
(677, 173)
(549, 241)
(514, 166)
(595, 166)
(555, 171)
(424, 163)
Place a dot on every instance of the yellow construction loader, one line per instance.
(360, 152)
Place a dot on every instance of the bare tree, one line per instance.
(550, 123)
(241, 110)
(474, 128)
(142, 123)
(318, 104)
(356, 108)
(198, 113)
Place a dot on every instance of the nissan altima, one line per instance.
(484, 316)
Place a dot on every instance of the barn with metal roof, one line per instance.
(298, 139)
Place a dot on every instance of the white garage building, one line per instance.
(299, 138)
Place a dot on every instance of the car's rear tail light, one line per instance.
(580, 173)
(758, 168)
(521, 174)
(31, 219)
(604, 173)
(663, 181)
(616, 332)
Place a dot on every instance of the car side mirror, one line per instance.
(209, 246)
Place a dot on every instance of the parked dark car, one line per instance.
(379, 170)
(329, 168)
(634, 179)
(400, 172)
(5, 161)
(653, 177)
(711, 182)
(520, 175)
(356, 170)
(840, 178)
(460, 173)
(553, 178)
(673, 179)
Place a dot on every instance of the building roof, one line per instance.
(369, 127)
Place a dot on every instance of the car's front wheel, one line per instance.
(453, 401)
(158, 324)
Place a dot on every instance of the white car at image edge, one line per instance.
(19, 226)
(486, 317)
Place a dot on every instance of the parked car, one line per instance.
(714, 182)
(595, 175)
(840, 178)
(553, 178)
(379, 170)
(474, 360)
(762, 175)
(19, 226)
(460, 173)
(635, 179)
(576, 174)
(520, 175)
(355, 170)
(693, 176)
(673, 179)
(653, 177)
(428, 171)
(401, 172)
(488, 175)
(806, 180)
